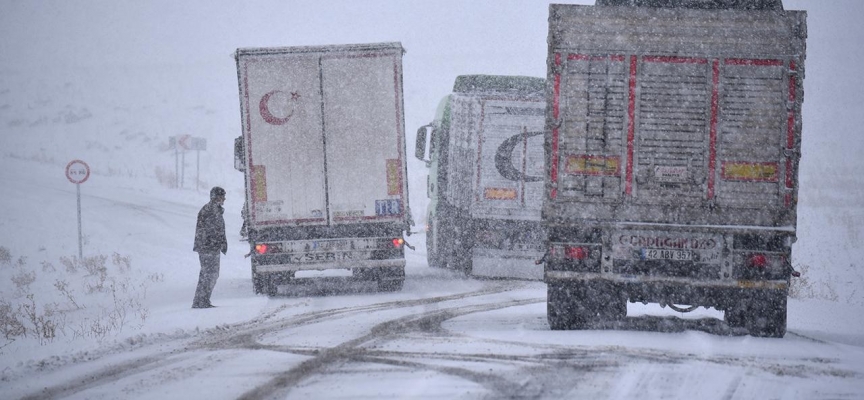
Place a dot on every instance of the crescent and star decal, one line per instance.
(264, 108)
(504, 158)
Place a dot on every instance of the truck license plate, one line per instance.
(664, 254)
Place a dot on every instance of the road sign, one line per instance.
(187, 142)
(77, 171)
(197, 143)
(184, 141)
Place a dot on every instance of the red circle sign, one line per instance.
(77, 171)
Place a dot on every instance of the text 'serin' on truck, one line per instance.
(323, 152)
(673, 137)
(485, 159)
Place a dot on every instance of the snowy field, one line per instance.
(106, 83)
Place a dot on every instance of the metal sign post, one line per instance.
(77, 172)
(180, 144)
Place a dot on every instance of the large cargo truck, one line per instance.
(673, 137)
(485, 159)
(323, 153)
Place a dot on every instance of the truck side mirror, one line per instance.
(420, 148)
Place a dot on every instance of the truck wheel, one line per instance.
(390, 285)
(463, 262)
(615, 309)
(558, 308)
(434, 256)
(767, 316)
(463, 250)
(735, 317)
(271, 287)
(257, 283)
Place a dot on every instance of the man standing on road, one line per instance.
(209, 241)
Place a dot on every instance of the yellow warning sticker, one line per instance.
(583, 164)
(259, 183)
(500, 194)
(750, 171)
(394, 177)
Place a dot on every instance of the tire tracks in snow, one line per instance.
(242, 335)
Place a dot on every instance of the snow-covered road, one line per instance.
(442, 336)
(488, 342)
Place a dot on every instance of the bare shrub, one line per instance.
(67, 293)
(48, 267)
(94, 301)
(71, 264)
(5, 256)
(804, 287)
(22, 280)
(41, 320)
(121, 262)
(10, 324)
(97, 272)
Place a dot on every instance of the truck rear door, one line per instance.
(510, 159)
(324, 134)
(281, 106)
(664, 122)
(364, 133)
(680, 129)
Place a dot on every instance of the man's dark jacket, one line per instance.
(210, 230)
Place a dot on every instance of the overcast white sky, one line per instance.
(186, 47)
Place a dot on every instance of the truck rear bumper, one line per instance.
(396, 263)
(568, 276)
(720, 294)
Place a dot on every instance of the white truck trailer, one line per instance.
(485, 159)
(323, 153)
(673, 137)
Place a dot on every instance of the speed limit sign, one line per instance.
(77, 171)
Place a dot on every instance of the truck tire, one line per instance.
(434, 256)
(763, 314)
(271, 287)
(767, 316)
(578, 305)
(615, 309)
(558, 307)
(390, 285)
(463, 249)
(257, 283)
(735, 317)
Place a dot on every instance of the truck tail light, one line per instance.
(398, 242)
(575, 253)
(261, 248)
(757, 261)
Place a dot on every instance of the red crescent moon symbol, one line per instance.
(265, 111)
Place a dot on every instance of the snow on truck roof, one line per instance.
(774, 5)
(524, 85)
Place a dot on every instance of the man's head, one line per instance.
(217, 194)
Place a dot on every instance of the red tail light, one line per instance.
(576, 253)
(758, 261)
(261, 248)
(398, 242)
